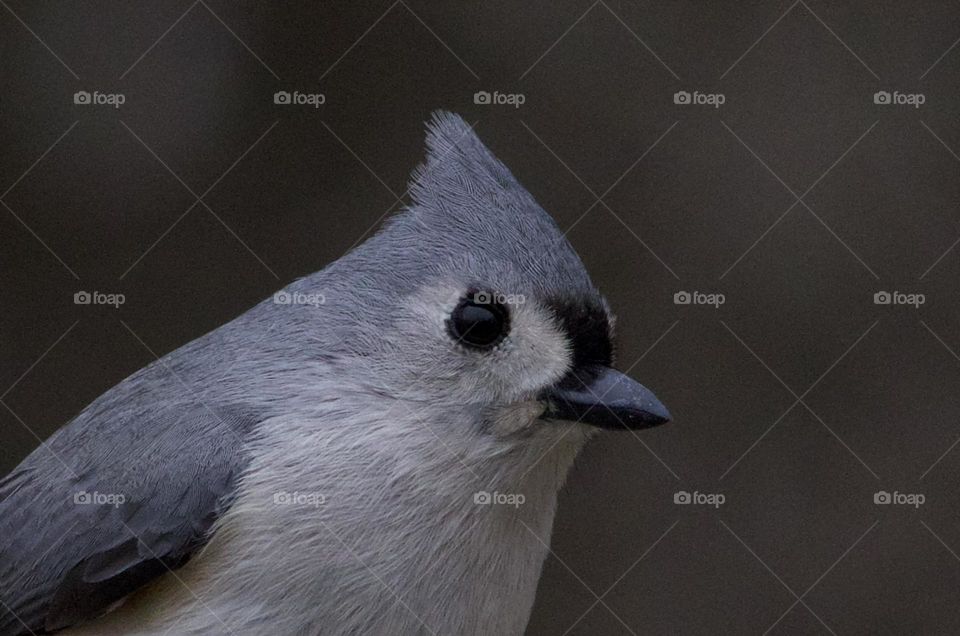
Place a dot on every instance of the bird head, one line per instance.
(472, 298)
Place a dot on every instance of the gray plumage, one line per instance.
(363, 398)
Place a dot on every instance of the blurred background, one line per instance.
(778, 165)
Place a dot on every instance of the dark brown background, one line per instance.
(799, 511)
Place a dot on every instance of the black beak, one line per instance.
(605, 398)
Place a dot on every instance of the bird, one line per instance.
(377, 448)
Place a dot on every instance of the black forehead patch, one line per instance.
(588, 330)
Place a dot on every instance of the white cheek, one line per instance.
(537, 352)
(534, 354)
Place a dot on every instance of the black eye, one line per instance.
(479, 321)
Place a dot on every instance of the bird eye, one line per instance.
(479, 321)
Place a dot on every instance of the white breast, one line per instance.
(370, 524)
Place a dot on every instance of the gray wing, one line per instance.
(114, 499)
